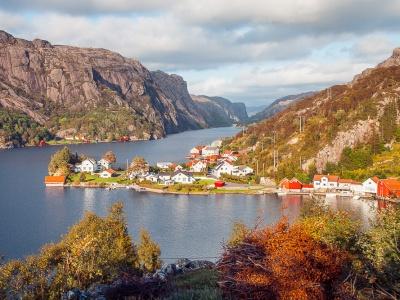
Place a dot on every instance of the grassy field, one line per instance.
(96, 179)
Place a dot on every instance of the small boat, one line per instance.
(356, 197)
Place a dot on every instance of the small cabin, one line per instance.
(54, 180)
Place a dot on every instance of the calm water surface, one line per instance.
(185, 226)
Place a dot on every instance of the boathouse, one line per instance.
(388, 188)
(54, 180)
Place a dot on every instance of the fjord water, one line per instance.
(185, 226)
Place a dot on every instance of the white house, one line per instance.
(196, 150)
(152, 177)
(104, 164)
(223, 168)
(371, 185)
(325, 182)
(108, 173)
(89, 165)
(209, 150)
(164, 176)
(242, 171)
(183, 177)
(199, 166)
(164, 165)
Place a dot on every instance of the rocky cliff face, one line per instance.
(219, 111)
(95, 92)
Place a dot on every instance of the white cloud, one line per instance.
(263, 84)
(253, 49)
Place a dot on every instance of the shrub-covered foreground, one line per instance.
(324, 255)
(95, 250)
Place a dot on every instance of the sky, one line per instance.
(252, 51)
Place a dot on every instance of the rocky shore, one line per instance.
(150, 285)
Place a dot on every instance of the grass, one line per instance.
(96, 179)
(200, 284)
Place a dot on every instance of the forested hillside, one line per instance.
(353, 122)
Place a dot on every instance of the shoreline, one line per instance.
(141, 189)
(77, 142)
(220, 191)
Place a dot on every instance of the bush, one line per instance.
(95, 250)
(281, 262)
(239, 232)
(381, 255)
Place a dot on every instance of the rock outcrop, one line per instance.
(49, 82)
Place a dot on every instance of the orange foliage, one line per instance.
(281, 262)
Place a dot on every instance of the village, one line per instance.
(207, 168)
(384, 189)
(210, 169)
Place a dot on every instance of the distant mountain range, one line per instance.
(49, 91)
(277, 106)
(252, 110)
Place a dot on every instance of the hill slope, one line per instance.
(220, 111)
(363, 114)
(90, 93)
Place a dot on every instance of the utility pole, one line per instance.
(264, 169)
(257, 168)
(300, 123)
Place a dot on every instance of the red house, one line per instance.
(388, 188)
(292, 184)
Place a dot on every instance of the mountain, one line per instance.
(277, 106)
(96, 94)
(252, 110)
(344, 126)
(220, 111)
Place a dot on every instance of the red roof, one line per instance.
(54, 179)
(308, 186)
(392, 184)
(111, 171)
(294, 179)
(331, 178)
(375, 179)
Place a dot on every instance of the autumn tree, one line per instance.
(148, 252)
(95, 250)
(281, 262)
(110, 156)
(58, 160)
(138, 165)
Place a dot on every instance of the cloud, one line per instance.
(264, 84)
(86, 7)
(255, 49)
